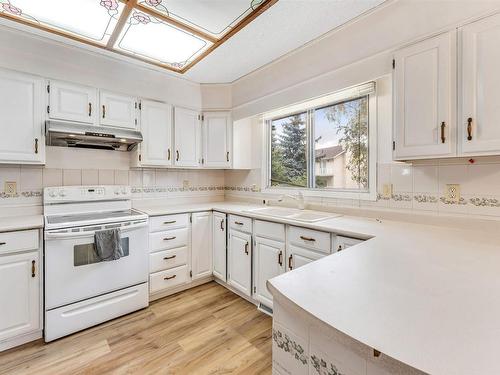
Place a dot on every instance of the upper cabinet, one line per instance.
(156, 128)
(479, 130)
(72, 102)
(187, 138)
(424, 99)
(21, 118)
(217, 138)
(117, 110)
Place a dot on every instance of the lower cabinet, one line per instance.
(269, 261)
(299, 256)
(219, 245)
(342, 243)
(201, 244)
(240, 261)
(20, 288)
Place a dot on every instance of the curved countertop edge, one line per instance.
(22, 222)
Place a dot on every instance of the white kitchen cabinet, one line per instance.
(479, 131)
(21, 118)
(240, 261)
(19, 295)
(71, 102)
(424, 99)
(219, 245)
(269, 261)
(201, 244)
(117, 110)
(298, 256)
(156, 128)
(217, 136)
(187, 138)
(341, 243)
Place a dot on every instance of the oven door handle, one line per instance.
(58, 235)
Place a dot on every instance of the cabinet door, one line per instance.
(156, 127)
(117, 110)
(342, 243)
(269, 262)
(72, 102)
(424, 99)
(480, 87)
(240, 261)
(219, 245)
(298, 256)
(201, 244)
(21, 114)
(187, 138)
(19, 294)
(217, 139)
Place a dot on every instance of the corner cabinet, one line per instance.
(424, 99)
(479, 131)
(21, 114)
(187, 138)
(217, 139)
(156, 127)
(201, 244)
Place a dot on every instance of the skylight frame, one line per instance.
(129, 7)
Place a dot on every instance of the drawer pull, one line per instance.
(33, 270)
(222, 225)
(169, 277)
(280, 258)
(3, 243)
(238, 223)
(290, 262)
(169, 238)
(169, 222)
(307, 239)
(170, 257)
(246, 248)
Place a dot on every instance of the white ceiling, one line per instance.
(284, 27)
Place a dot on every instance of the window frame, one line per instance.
(309, 107)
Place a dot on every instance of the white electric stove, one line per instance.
(80, 289)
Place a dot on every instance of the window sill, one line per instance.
(323, 193)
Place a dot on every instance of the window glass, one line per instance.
(341, 145)
(288, 151)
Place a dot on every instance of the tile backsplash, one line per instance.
(145, 183)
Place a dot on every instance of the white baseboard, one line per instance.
(20, 340)
(180, 288)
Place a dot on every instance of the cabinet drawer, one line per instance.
(164, 260)
(159, 223)
(167, 279)
(19, 241)
(241, 223)
(270, 230)
(313, 239)
(169, 239)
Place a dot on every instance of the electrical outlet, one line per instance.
(387, 191)
(453, 193)
(185, 184)
(10, 187)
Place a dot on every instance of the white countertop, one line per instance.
(425, 295)
(23, 222)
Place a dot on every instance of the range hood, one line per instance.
(70, 134)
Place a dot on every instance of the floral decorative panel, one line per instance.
(93, 20)
(149, 38)
(213, 17)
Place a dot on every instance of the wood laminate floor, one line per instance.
(204, 330)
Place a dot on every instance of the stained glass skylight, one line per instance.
(94, 20)
(174, 34)
(150, 38)
(213, 17)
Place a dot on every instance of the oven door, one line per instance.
(73, 272)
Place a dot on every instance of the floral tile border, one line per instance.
(23, 194)
(324, 368)
(288, 345)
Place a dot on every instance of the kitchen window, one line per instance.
(325, 146)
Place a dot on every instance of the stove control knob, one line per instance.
(124, 191)
(62, 193)
(117, 191)
(52, 193)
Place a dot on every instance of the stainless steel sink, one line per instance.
(307, 216)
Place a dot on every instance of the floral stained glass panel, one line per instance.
(94, 20)
(213, 17)
(147, 37)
